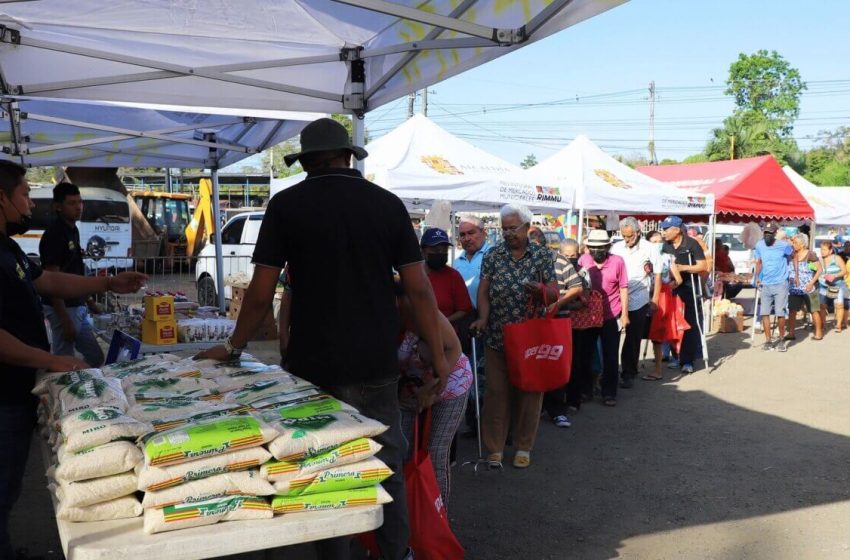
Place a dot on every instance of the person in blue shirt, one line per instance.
(772, 275)
(473, 239)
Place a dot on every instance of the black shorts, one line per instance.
(798, 302)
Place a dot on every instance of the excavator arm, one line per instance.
(201, 226)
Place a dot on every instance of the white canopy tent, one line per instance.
(831, 204)
(422, 163)
(340, 56)
(44, 132)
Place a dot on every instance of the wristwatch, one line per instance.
(231, 349)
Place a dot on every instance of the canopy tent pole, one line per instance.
(216, 208)
(712, 228)
(359, 137)
(580, 230)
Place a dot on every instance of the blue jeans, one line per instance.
(379, 400)
(16, 427)
(85, 342)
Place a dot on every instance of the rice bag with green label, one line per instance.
(240, 378)
(96, 490)
(131, 367)
(91, 393)
(311, 406)
(158, 410)
(159, 478)
(345, 454)
(287, 397)
(147, 389)
(52, 383)
(342, 499)
(212, 369)
(227, 484)
(104, 460)
(311, 435)
(202, 411)
(205, 438)
(356, 475)
(120, 508)
(183, 516)
(283, 384)
(98, 425)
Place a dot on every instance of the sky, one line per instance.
(599, 72)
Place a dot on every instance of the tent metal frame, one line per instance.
(356, 97)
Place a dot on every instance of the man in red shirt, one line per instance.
(449, 288)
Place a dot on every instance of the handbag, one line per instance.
(590, 314)
(431, 537)
(539, 352)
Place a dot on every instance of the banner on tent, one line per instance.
(685, 203)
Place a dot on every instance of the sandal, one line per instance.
(494, 461)
(652, 377)
(609, 401)
(522, 459)
(817, 338)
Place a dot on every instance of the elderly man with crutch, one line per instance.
(690, 260)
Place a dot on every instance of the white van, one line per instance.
(741, 257)
(105, 229)
(238, 238)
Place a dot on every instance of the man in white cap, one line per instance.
(344, 321)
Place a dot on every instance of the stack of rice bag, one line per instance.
(188, 443)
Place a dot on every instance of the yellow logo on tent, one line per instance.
(441, 165)
(611, 179)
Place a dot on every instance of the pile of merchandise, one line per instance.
(186, 443)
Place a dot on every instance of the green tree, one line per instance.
(635, 159)
(750, 134)
(766, 84)
(273, 157)
(529, 161)
(41, 175)
(828, 163)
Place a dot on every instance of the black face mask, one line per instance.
(769, 239)
(573, 261)
(437, 261)
(20, 227)
(599, 255)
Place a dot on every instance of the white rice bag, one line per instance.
(348, 477)
(213, 368)
(347, 453)
(305, 437)
(92, 393)
(312, 405)
(147, 389)
(205, 438)
(104, 460)
(96, 490)
(207, 411)
(183, 516)
(343, 499)
(121, 369)
(159, 478)
(287, 396)
(251, 392)
(175, 407)
(241, 378)
(63, 379)
(244, 483)
(120, 508)
(98, 425)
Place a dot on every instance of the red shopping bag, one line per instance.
(668, 322)
(591, 314)
(539, 353)
(431, 537)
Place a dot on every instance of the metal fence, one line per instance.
(195, 277)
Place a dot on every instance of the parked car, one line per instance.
(741, 257)
(238, 238)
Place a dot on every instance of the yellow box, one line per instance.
(159, 332)
(159, 308)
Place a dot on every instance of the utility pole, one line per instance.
(653, 160)
(425, 102)
(732, 146)
(411, 99)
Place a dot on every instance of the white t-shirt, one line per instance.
(640, 283)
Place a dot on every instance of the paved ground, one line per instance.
(750, 459)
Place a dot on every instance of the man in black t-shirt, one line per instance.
(344, 324)
(690, 259)
(23, 339)
(60, 251)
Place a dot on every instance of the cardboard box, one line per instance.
(159, 308)
(726, 324)
(159, 332)
(267, 329)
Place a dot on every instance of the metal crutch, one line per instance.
(480, 460)
(699, 309)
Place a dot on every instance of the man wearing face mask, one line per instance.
(607, 274)
(23, 338)
(772, 256)
(643, 267)
(449, 288)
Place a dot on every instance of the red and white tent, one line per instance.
(744, 189)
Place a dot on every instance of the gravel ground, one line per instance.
(749, 459)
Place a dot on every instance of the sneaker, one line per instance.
(674, 364)
(687, 368)
(562, 421)
(782, 346)
(627, 383)
(767, 346)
